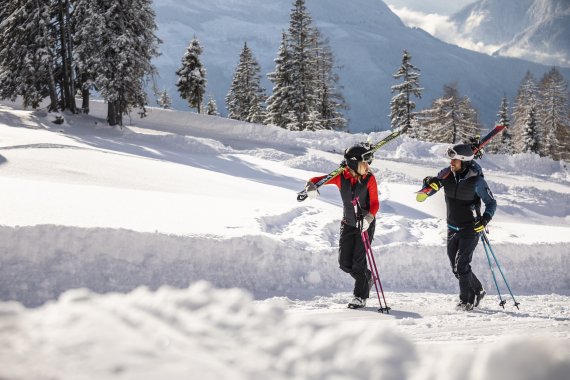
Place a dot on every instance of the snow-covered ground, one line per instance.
(175, 248)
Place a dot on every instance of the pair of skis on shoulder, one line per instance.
(302, 195)
(427, 191)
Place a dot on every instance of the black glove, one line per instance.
(479, 225)
(433, 182)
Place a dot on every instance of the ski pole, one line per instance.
(502, 303)
(375, 275)
(486, 239)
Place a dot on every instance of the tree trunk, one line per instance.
(84, 94)
(64, 64)
(72, 105)
(112, 113)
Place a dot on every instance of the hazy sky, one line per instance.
(443, 7)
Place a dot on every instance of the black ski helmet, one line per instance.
(353, 155)
(462, 152)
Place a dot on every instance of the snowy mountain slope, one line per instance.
(137, 214)
(494, 22)
(535, 30)
(366, 37)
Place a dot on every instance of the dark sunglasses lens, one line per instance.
(451, 153)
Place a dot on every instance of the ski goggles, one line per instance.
(368, 157)
(451, 153)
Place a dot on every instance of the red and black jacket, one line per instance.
(366, 189)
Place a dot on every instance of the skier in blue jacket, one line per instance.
(464, 189)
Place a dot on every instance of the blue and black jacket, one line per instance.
(463, 195)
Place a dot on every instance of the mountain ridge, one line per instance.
(535, 30)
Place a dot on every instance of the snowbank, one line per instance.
(209, 333)
(41, 262)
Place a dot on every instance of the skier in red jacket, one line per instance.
(355, 181)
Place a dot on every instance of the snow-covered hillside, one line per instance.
(366, 37)
(175, 247)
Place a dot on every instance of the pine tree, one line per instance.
(280, 103)
(401, 106)
(504, 145)
(530, 133)
(192, 76)
(554, 105)
(468, 125)
(212, 107)
(330, 101)
(27, 53)
(164, 100)
(565, 138)
(245, 98)
(63, 29)
(437, 122)
(306, 94)
(120, 43)
(302, 66)
(451, 119)
(527, 98)
(87, 21)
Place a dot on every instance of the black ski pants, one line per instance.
(352, 257)
(460, 247)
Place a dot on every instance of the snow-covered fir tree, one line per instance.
(451, 119)
(554, 111)
(530, 133)
(469, 127)
(120, 54)
(192, 76)
(435, 121)
(280, 102)
(65, 67)
(27, 52)
(246, 97)
(504, 144)
(212, 107)
(306, 94)
(527, 98)
(402, 106)
(164, 100)
(303, 69)
(88, 20)
(330, 101)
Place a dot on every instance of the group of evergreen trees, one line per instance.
(60, 49)
(57, 49)
(305, 95)
(540, 117)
